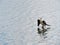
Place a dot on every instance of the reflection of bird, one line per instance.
(38, 31)
(41, 31)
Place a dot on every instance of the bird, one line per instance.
(42, 22)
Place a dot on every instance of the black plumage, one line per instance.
(38, 22)
(44, 23)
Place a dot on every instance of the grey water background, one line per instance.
(18, 22)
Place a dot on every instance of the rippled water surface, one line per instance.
(18, 22)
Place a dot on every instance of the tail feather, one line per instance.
(47, 25)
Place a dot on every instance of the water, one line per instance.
(18, 22)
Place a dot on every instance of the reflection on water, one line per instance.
(42, 32)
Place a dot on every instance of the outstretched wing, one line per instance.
(38, 22)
